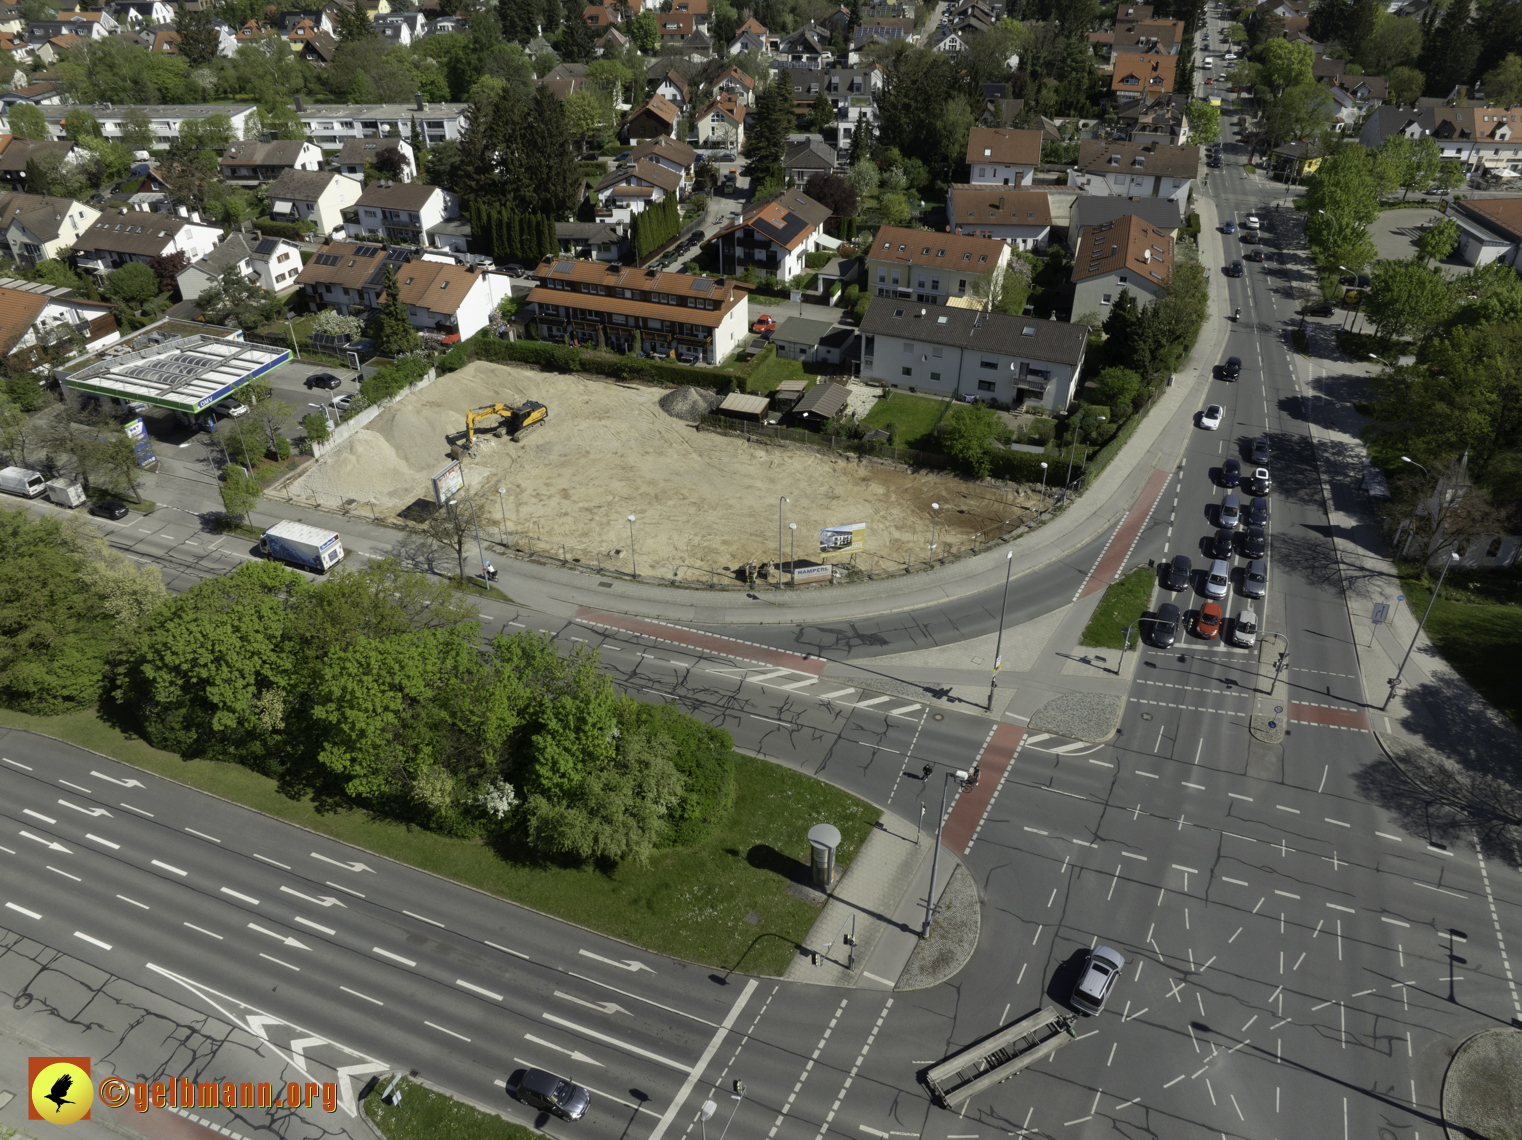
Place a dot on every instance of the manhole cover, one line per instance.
(938, 716)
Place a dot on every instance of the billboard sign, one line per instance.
(142, 446)
(447, 482)
(812, 573)
(848, 539)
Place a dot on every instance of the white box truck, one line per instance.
(297, 544)
(20, 481)
(65, 492)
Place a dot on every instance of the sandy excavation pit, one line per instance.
(703, 501)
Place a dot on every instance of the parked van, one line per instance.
(20, 481)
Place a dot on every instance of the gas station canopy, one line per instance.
(182, 374)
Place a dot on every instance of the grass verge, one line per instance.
(1124, 602)
(723, 903)
(425, 1115)
(1477, 625)
(914, 416)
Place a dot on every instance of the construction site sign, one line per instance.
(848, 539)
(447, 482)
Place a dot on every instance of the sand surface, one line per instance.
(705, 503)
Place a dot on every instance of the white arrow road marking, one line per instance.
(571, 1053)
(88, 811)
(289, 941)
(629, 964)
(346, 866)
(324, 900)
(616, 1043)
(48, 843)
(600, 1006)
(119, 783)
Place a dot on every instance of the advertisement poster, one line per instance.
(848, 539)
(447, 482)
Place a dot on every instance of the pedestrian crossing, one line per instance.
(792, 681)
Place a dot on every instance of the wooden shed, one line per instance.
(739, 406)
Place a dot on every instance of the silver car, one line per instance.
(1231, 512)
(1097, 980)
(1255, 579)
(1244, 631)
(1218, 579)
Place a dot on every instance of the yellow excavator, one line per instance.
(515, 420)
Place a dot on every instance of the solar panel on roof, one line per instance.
(701, 285)
(565, 267)
(398, 255)
(327, 259)
(366, 250)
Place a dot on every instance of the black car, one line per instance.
(1260, 450)
(1256, 254)
(1178, 571)
(1235, 269)
(1162, 630)
(1231, 473)
(1233, 367)
(1257, 512)
(1254, 543)
(1320, 309)
(1262, 484)
(1220, 545)
(108, 509)
(553, 1094)
(323, 380)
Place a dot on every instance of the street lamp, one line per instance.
(1042, 502)
(502, 502)
(781, 499)
(1453, 558)
(792, 552)
(1414, 463)
(936, 860)
(323, 408)
(993, 680)
(1124, 645)
(737, 1096)
(935, 514)
(633, 562)
(1279, 664)
(481, 554)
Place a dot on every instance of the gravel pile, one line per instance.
(1079, 716)
(688, 403)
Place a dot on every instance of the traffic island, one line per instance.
(1482, 1090)
(953, 936)
(1270, 711)
(1091, 717)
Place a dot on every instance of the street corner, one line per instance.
(953, 936)
(1090, 717)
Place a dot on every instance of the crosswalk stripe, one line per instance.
(873, 701)
(800, 684)
(836, 693)
(902, 711)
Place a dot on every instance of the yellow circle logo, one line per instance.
(62, 1093)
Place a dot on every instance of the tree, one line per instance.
(137, 130)
(452, 526)
(1413, 163)
(966, 435)
(1204, 121)
(167, 268)
(1503, 83)
(199, 38)
(1283, 64)
(353, 23)
(132, 284)
(331, 322)
(821, 113)
(27, 121)
(645, 32)
(232, 297)
(864, 177)
(316, 426)
(103, 160)
(1116, 387)
(1450, 47)
(214, 133)
(833, 191)
(240, 491)
(1439, 241)
(585, 115)
(575, 42)
(1395, 44)
(50, 173)
(390, 328)
(893, 209)
(190, 176)
(1341, 200)
(1407, 299)
(766, 136)
(1299, 112)
(80, 124)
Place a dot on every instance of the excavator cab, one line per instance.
(513, 420)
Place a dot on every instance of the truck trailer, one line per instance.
(297, 544)
(20, 481)
(65, 492)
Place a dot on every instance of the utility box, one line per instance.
(824, 839)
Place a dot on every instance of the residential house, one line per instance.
(599, 16)
(665, 151)
(35, 317)
(673, 88)
(401, 212)
(333, 124)
(16, 52)
(933, 268)
(1135, 170)
(592, 241)
(404, 28)
(1367, 91)
(1149, 37)
(1155, 120)
(1490, 229)
(721, 123)
(970, 354)
(39, 228)
(1167, 215)
(445, 25)
(271, 263)
(116, 238)
(250, 162)
(737, 84)
(948, 41)
(441, 297)
(633, 188)
(85, 25)
(318, 49)
(356, 153)
(1126, 253)
(143, 13)
(808, 47)
(748, 43)
(1021, 217)
(773, 238)
(852, 91)
(803, 160)
(1002, 156)
(319, 18)
(612, 40)
(754, 27)
(655, 117)
(1478, 137)
(18, 152)
(1294, 161)
(814, 342)
(317, 196)
(696, 319)
(697, 9)
(165, 119)
(1139, 75)
(43, 93)
(675, 27)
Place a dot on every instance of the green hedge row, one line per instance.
(388, 381)
(1019, 466)
(271, 228)
(564, 358)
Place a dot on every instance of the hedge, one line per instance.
(564, 358)
(388, 381)
(271, 228)
(1018, 466)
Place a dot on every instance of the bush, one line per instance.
(704, 757)
(850, 297)
(271, 228)
(1041, 431)
(27, 394)
(859, 310)
(316, 427)
(388, 381)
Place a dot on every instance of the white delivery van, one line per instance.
(20, 481)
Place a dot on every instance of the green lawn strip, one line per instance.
(690, 903)
(773, 371)
(915, 416)
(1477, 626)
(428, 1115)
(1124, 602)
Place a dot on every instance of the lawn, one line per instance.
(1477, 625)
(914, 416)
(1124, 602)
(425, 1115)
(724, 903)
(773, 371)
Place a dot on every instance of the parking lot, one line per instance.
(1395, 232)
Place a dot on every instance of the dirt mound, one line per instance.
(688, 403)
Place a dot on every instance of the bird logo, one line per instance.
(61, 1087)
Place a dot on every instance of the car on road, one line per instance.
(1254, 542)
(110, 509)
(1209, 79)
(1320, 309)
(1260, 449)
(557, 1095)
(1253, 222)
(1213, 160)
(1229, 227)
(1351, 282)
(1220, 544)
(1254, 579)
(323, 380)
(1231, 473)
(1210, 418)
(1218, 579)
(1178, 572)
(1250, 237)
(1244, 630)
(1261, 483)
(1255, 254)
(1207, 623)
(764, 324)
(1230, 512)
(1257, 511)
(1162, 628)
(1235, 269)
(1097, 980)
(1233, 367)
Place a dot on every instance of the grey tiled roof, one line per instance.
(1056, 341)
(302, 185)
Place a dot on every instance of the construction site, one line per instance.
(705, 504)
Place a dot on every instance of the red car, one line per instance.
(764, 324)
(1208, 623)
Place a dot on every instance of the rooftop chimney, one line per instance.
(419, 98)
(300, 106)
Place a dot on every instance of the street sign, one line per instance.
(1381, 613)
(1400, 597)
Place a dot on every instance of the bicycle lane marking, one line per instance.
(1123, 541)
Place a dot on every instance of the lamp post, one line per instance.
(294, 345)
(481, 554)
(1042, 501)
(1453, 558)
(780, 500)
(737, 1096)
(993, 680)
(633, 562)
(935, 861)
(935, 514)
(323, 408)
(792, 555)
(1124, 645)
(1428, 474)
(1278, 664)
(502, 502)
